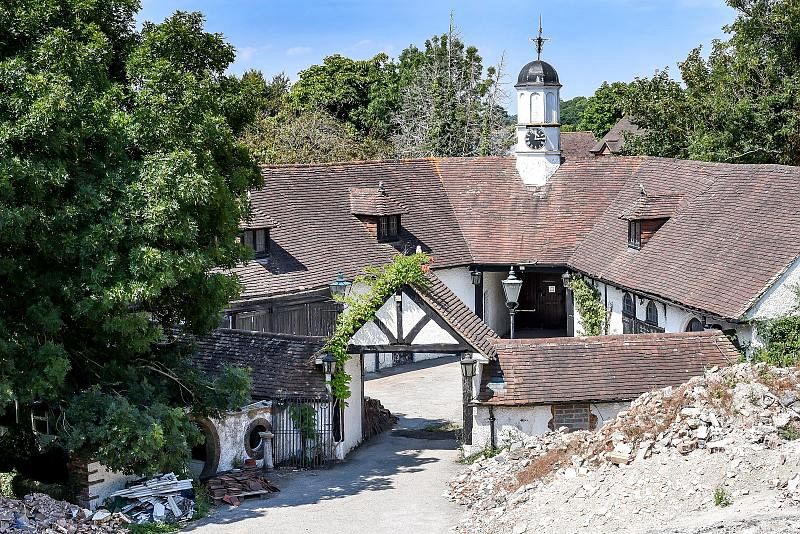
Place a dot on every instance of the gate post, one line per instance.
(466, 401)
(266, 444)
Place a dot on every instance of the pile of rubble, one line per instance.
(231, 486)
(40, 513)
(162, 499)
(721, 450)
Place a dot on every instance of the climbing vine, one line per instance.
(593, 315)
(360, 308)
(780, 338)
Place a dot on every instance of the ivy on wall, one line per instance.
(360, 308)
(593, 315)
(781, 338)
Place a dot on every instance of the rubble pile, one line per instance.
(160, 499)
(42, 514)
(231, 486)
(721, 450)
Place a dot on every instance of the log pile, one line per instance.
(376, 418)
(231, 486)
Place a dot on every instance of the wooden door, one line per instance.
(552, 312)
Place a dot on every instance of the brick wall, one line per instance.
(79, 478)
(573, 416)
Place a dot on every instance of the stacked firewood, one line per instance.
(231, 486)
(376, 418)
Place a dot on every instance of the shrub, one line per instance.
(721, 497)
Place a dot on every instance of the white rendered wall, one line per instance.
(495, 312)
(231, 431)
(103, 482)
(459, 281)
(513, 423)
(780, 299)
(430, 333)
(670, 317)
(353, 410)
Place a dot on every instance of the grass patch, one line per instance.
(721, 497)
(445, 426)
(202, 500)
(153, 528)
(487, 452)
(791, 432)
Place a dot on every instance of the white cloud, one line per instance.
(298, 50)
(247, 53)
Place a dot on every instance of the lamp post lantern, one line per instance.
(477, 277)
(340, 287)
(329, 363)
(566, 279)
(468, 366)
(511, 288)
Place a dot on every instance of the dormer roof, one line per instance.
(257, 220)
(653, 207)
(374, 201)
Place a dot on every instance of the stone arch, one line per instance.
(694, 325)
(209, 451)
(252, 441)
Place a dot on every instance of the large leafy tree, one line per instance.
(572, 112)
(603, 109)
(449, 104)
(741, 105)
(360, 93)
(121, 188)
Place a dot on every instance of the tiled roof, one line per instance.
(599, 369)
(282, 365)
(577, 145)
(614, 140)
(653, 207)
(735, 232)
(506, 222)
(374, 201)
(455, 313)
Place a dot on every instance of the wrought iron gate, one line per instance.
(303, 432)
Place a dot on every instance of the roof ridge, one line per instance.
(278, 335)
(355, 162)
(612, 337)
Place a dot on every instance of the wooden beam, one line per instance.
(442, 348)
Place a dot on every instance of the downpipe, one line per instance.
(492, 438)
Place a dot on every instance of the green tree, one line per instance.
(450, 105)
(121, 188)
(310, 137)
(361, 93)
(741, 105)
(604, 108)
(247, 98)
(572, 113)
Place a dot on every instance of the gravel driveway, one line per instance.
(393, 483)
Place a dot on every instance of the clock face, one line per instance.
(535, 138)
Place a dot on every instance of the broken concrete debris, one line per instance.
(163, 499)
(41, 513)
(656, 467)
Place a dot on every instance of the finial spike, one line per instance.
(539, 40)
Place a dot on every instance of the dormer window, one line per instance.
(255, 232)
(258, 240)
(388, 228)
(378, 212)
(635, 234)
(648, 214)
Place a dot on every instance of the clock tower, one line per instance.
(538, 149)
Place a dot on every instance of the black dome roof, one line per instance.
(537, 73)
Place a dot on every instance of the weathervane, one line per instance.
(539, 41)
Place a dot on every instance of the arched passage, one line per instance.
(205, 456)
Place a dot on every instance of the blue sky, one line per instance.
(591, 40)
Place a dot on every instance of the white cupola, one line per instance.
(538, 148)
